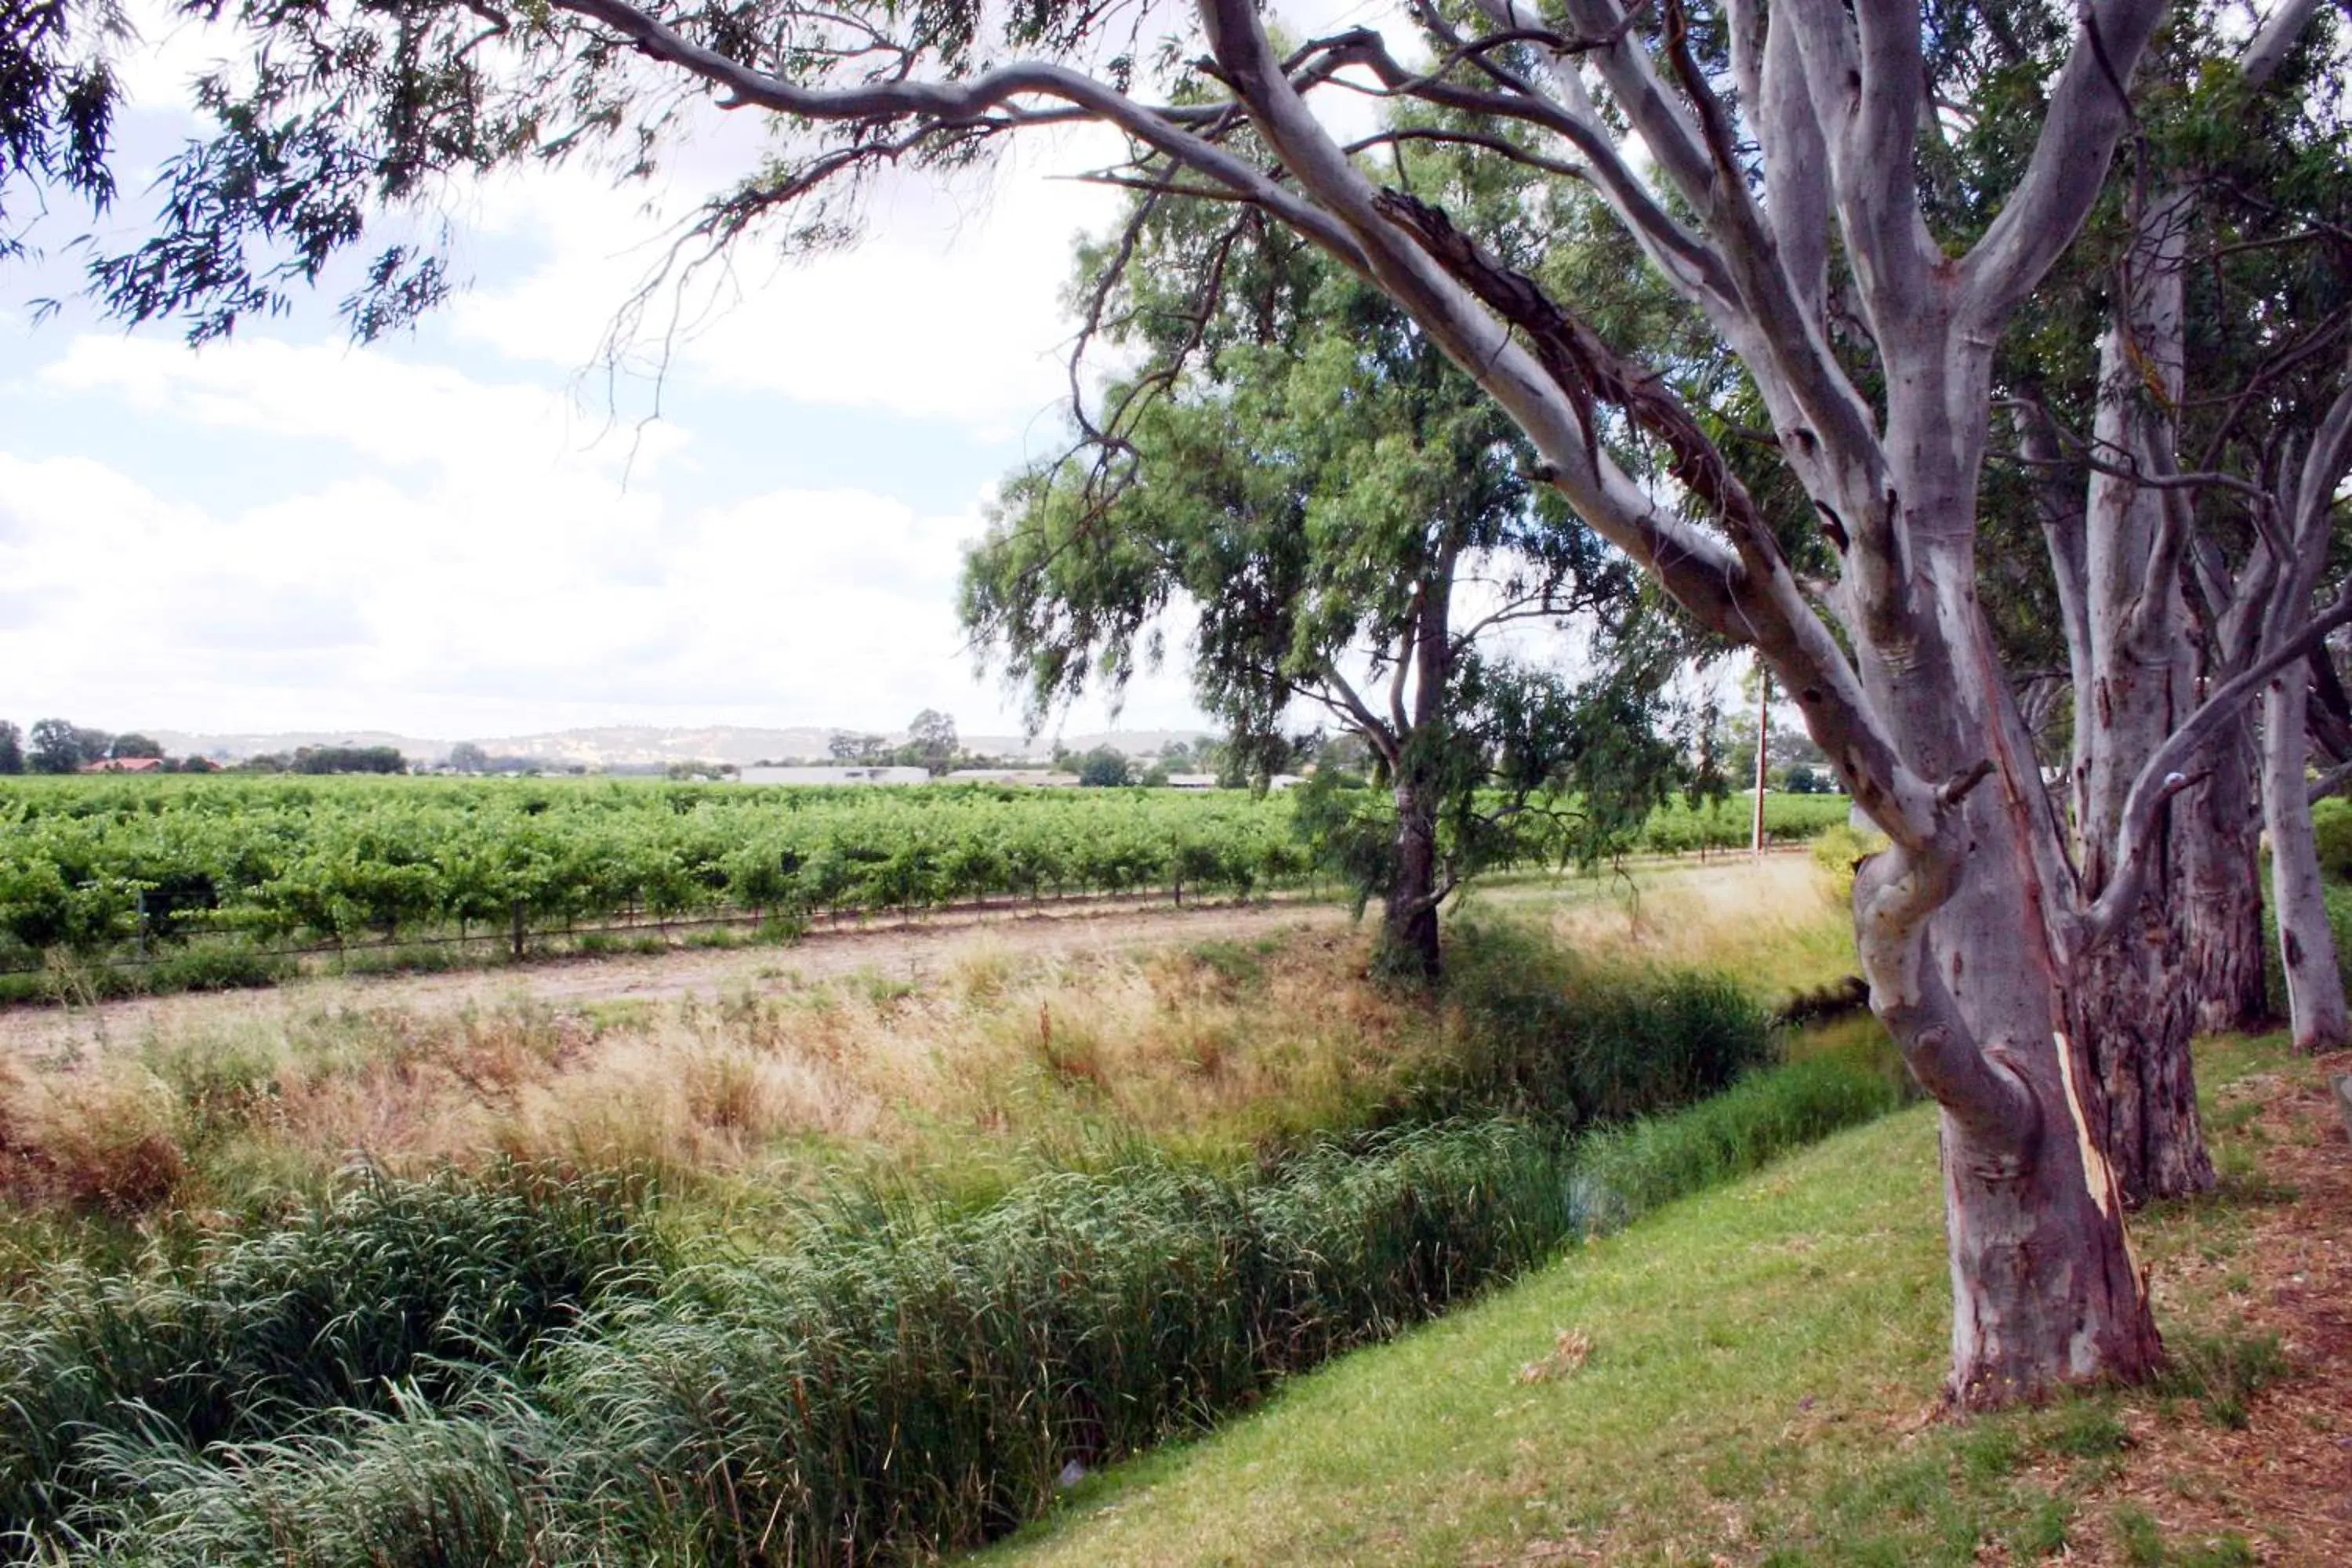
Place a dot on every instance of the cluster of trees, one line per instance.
(1986, 369)
(328, 760)
(62, 746)
(930, 744)
(465, 757)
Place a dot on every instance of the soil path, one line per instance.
(910, 951)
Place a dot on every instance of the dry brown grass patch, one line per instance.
(107, 1141)
(1223, 1042)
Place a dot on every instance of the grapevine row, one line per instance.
(91, 865)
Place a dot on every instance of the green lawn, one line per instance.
(1762, 1384)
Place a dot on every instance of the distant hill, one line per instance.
(623, 745)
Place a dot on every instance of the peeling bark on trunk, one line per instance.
(2135, 1015)
(2315, 983)
(2034, 1184)
(2022, 1330)
(2221, 909)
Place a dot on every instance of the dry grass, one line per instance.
(1218, 1047)
(1778, 921)
(989, 1063)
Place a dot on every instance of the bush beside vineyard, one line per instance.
(93, 866)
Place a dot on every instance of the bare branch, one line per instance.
(956, 104)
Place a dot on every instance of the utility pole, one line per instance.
(1763, 737)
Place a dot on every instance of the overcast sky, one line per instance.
(450, 534)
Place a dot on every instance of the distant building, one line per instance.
(1035, 778)
(1209, 780)
(124, 766)
(817, 775)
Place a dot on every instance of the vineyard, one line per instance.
(123, 867)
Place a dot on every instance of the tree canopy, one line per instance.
(1347, 523)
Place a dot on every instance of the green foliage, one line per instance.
(286, 860)
(1301, 465)
(1103, 768)
(2331, 826)
(224, 864)
(1840, 849)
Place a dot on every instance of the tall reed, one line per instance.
(910, 1380)
(395, 1281)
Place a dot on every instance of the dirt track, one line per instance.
(904, 952)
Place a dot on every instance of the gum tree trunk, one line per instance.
(2221, 907)
(1409, 934)
(2025, 1176)
(1972, 925)
(2305, 500)
(2132, 1006)
(2315, 984)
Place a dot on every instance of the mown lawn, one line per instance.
(1761, 1386)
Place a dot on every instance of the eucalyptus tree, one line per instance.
(58, 93)
(1347, 522)
(1767, 163)
(2125, 433)
(2189, 541)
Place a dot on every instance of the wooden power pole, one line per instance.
(1763, 738)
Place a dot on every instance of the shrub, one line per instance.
(1839, 848)
(2331, 826)
(1543, 1033)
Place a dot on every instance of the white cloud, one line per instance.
(380, 406)
(949, 308)
(444, 602)
(427, 538)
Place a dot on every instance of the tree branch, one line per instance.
(2088, 110)
(2161, 778)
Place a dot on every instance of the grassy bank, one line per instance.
(1752, 1376)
